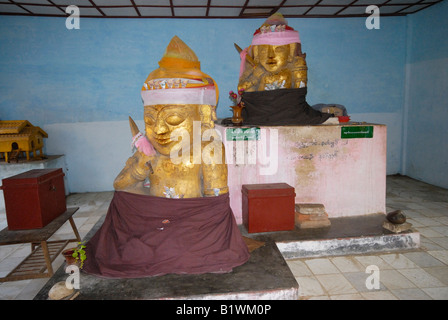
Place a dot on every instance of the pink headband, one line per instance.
(276, 38)
(199, 95)
(270, 38)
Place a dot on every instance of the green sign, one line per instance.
(356, 132)
(241, 134)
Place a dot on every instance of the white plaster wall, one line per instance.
(95, 152)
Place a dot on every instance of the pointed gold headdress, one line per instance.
(179, 79)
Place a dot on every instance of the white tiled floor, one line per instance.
(408, 275)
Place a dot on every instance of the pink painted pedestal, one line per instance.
(347, 176)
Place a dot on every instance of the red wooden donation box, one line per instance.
(34, 198)
(268, 207)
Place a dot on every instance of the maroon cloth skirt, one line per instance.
(150, 236)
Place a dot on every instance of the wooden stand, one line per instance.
(43, 252)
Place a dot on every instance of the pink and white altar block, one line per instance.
(346, 175)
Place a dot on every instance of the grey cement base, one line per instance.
(265, 276)
(346, 235)
(347, 246)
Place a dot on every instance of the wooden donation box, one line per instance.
(268, 207)
(34, 198)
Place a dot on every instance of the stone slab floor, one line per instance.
(403, 275)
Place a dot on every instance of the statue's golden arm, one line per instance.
(214, 172)
(135, 170)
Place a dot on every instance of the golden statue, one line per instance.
(274, 60)
(178, 158)
(273, 78)
(181, 157)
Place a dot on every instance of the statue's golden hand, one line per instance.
(136, 170)
(142, 169)
(251, 77)
(245, 85)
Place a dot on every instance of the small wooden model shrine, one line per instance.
(18, 136)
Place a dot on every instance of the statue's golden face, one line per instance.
(273, 58)
(162, 120)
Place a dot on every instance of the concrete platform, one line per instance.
(244, 282)
(266, 274)
(345, 236)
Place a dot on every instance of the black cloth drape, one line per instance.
(280, 107)
(149, 236)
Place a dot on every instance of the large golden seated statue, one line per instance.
(171, 212)
(273, 75)
(177, 96)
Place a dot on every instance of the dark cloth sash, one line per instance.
(149, 236)
(280, 107)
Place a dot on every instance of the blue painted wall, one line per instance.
(81, 85)
(55, 75)
(426, 145)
